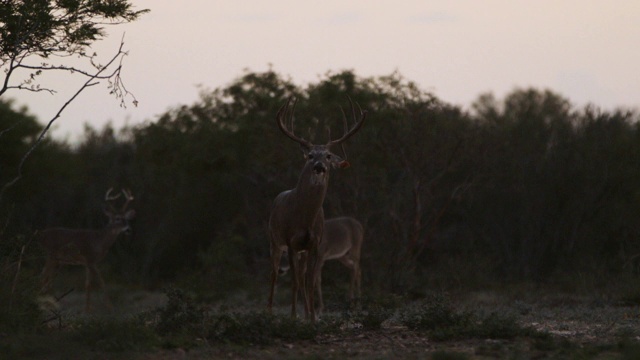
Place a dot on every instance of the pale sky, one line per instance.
(587, 51)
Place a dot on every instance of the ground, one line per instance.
(587, 326)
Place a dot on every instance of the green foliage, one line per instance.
(441, 321)
(180, 314)
(19, 285)
(437, 317)
(372, 312)
(54, 31)
(115, 334)
(259, 328)
(499, 326)
(182, 321)
(224, 266)
(17, 131)
(47, 28)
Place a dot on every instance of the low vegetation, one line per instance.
(435, 325)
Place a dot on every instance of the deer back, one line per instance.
(77, 246)
(86, 246)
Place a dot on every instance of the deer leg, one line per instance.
(295, 283)
(319, 289)
(98, 275)
(302, 270)
(311, 275)
(276, 254)
(352, 266)
(92, 275)
(358, 278)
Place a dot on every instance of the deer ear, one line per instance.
(344, 164)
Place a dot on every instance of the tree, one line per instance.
(43, 36)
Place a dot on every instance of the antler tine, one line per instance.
(288, 115)
(284, 110)
(128, 196)
(363, 116)
(346, 128)
(109, 197)
(353, 110)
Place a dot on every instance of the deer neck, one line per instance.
(311, 189)
(110, 234)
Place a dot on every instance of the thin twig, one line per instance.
(15, 278)
(58, 298)
(88, 83)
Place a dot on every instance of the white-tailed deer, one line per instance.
(341, 240)
(297, 218)
(83, 246)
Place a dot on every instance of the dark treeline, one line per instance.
(522, 188)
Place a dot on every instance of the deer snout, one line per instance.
(319, 168)
(126, 230)
(282, 270)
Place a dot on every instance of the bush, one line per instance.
(441, 321)
(180, 315)
(374, 311)
(259, 328)
(116, 334)
(498, 326)
(19, 286)
(434, 314)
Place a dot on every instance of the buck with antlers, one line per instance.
(85, 247)
(297, 218)
(341, 240)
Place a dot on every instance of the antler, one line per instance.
(108, 198)
(363, 115)
(128, 196)
(280, 117)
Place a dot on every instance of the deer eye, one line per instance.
(329, 157)
(309, 156)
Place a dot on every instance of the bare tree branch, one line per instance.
(121, 92)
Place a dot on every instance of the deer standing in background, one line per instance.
(297, 218)
(341, 240)
(85, 247)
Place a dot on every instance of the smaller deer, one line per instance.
(85, 247)
(341, 240)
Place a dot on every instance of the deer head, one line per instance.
(119, 217)
(319, 158)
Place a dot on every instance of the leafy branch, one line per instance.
(54, 32)
(118, 89)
